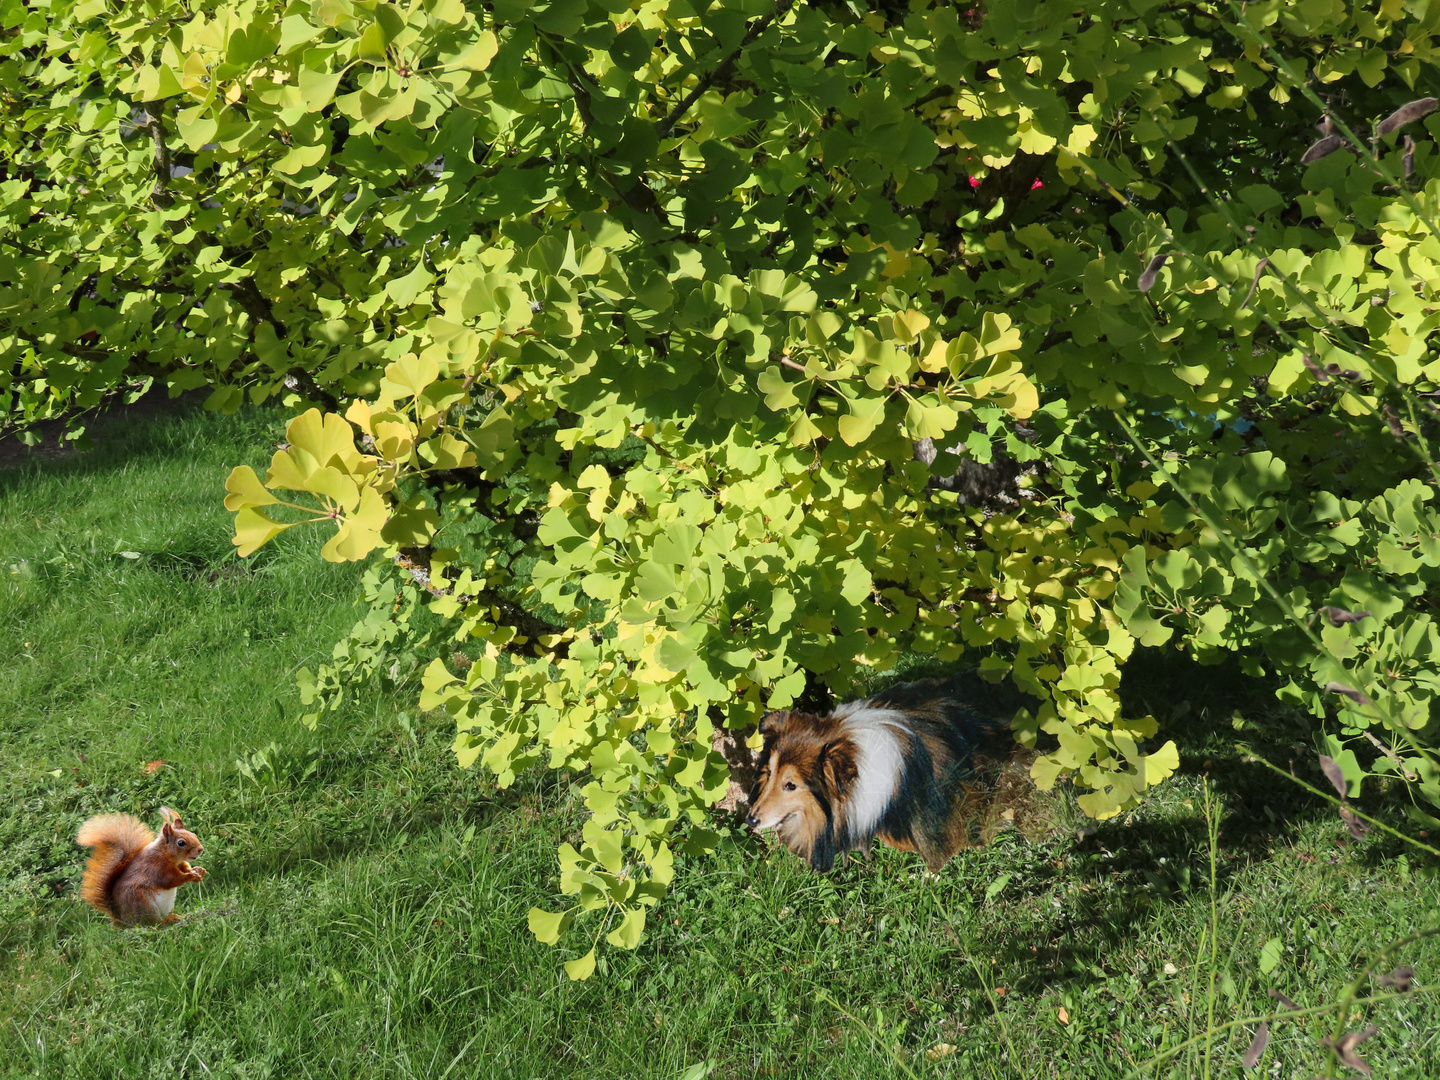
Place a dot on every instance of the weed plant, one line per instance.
(364, 915)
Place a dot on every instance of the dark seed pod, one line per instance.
(1278, 996)
(1357, 696)
(1393, 422)
(1323, 148)
(1345, 1046)
(1333, 774)
(1357, 828)
(1409, 158)
(1259, 269)
(1257, 1046)
(1339, 616)
(1399, 979)
(1151, 272)
(1407, 114)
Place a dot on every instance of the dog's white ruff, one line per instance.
(880, 746)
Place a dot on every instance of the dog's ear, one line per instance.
(841, 768)
(772, 723)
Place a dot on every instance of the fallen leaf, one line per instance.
(939, 1052)
(1062, 1015)
(152, 767)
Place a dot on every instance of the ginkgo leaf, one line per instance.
(246, 489)
(779, 394)
(405, 290)
(359, 532)
(446, 451)
(857, 426)
(317, 440)
(581, 969)
(632, 927)
(335, 486)
(411, 526)
(394, 440)
(254, 529)
(411, 374)
(478, 56)
(547, 926)
(290, 471)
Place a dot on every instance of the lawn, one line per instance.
(364, 913)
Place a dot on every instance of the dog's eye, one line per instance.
(789, 785)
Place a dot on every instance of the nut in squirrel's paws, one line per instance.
(186, 868)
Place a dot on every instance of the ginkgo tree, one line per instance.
(688, 358)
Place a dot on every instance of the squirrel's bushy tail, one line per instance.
(116, 838)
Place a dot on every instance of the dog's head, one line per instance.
(806, 770)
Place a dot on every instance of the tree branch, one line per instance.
(415, 562)
(20, 245)
(299, 381)
(723, 68)
(155, 122)
(255, 303)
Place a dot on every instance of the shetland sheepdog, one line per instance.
(893, 766)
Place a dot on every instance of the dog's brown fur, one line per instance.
(895, 767)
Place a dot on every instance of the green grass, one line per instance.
(364, 915)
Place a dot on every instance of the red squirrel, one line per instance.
(132, 874)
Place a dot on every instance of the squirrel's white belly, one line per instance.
(163, 903)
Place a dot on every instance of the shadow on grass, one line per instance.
(203, 564)
(156, 427)
(442, 798)
(1125, 870)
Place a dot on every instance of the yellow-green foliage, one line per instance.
(611, 329)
